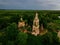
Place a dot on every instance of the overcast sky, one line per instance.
(30, 4)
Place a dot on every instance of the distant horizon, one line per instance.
(30, 4)
(28, 9)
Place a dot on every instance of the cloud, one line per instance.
(30, 4)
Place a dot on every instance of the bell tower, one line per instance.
(35, 28)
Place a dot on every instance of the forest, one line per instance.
(10, 35)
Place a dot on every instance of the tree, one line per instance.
(11, 31)
(10, 43)
(21, 38)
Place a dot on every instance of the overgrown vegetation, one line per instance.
(10, 35)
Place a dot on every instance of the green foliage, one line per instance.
(0, 43)
(22, 38)
(10, 43)
(34, 40)
(10, 35)
(11, 31)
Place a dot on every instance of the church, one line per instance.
(36, 28)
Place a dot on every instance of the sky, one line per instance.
(30, 4)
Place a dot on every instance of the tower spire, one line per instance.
(35, 29)
(36, 16)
